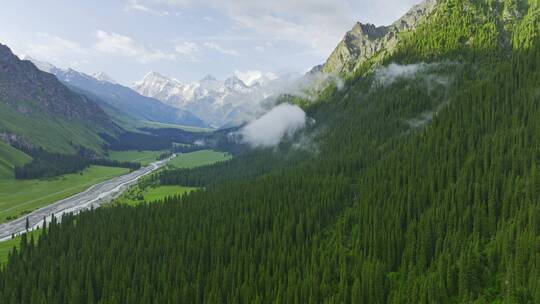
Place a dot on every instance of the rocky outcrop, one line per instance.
(365, 41)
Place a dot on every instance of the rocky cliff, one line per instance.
(365, 41)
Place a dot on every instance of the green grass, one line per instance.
(161, 192)
(18, 197)
(197, 159)
(142, 157)
(9, 158)
(61, 135)
(150, 192)
(135, 195)
(159, 125)
(7, 246)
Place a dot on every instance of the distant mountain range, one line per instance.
(208, 102)
(121, 98)
(218, 103)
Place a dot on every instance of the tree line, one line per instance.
(411, 192)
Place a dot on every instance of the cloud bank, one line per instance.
(389, 74)
(427, 72)
(270, 129)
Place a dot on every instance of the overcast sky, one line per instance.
(186, 39)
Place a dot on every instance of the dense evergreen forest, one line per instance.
(137, 141)
(168, 139)
(417, 189)
(46, 164)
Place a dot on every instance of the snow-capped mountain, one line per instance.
(101, 76)
(218, 103)
(251, 78)
(119, 97)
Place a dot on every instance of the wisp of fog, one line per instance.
(270, 129)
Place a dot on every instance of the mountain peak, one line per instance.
(251, 78)
(101, 76)
(235, 83)
(152, 75)
(368, 30)
(208, 77)
(363, 41)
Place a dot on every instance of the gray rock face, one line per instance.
(365, 41)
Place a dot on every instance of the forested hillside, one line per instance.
(418, 183)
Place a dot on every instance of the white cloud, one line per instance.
(387, 75)
(187, 49)
(317, 24)
(219, 48)
(270, 129)
(53, 47)
(60, 51)
(135, 5)
(113, 43)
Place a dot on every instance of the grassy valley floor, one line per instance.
(152, 193)
(19, 197)
(142, 157)
(197, 159)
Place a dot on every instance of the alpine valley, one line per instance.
(404, 169)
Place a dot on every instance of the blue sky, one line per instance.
(186, 39)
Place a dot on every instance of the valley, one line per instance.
(20, 197)
(94, 186)
(403, 167)
(93, 197)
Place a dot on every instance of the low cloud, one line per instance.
(387, 75)
(270, 129)
(309, 86)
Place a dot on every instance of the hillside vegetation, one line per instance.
(420, 184)
(9, 159)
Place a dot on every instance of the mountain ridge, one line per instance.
(123, 98)
(39, 111)
(218, 103)
(365, 41)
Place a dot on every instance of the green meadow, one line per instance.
(142, 157)
(150, 194)
(18, 197)
(197, 159)
(9, 158)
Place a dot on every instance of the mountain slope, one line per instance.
(419, 183)
(9, 159)
(122, 98)
(37, 110)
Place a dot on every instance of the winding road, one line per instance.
(93, 197)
